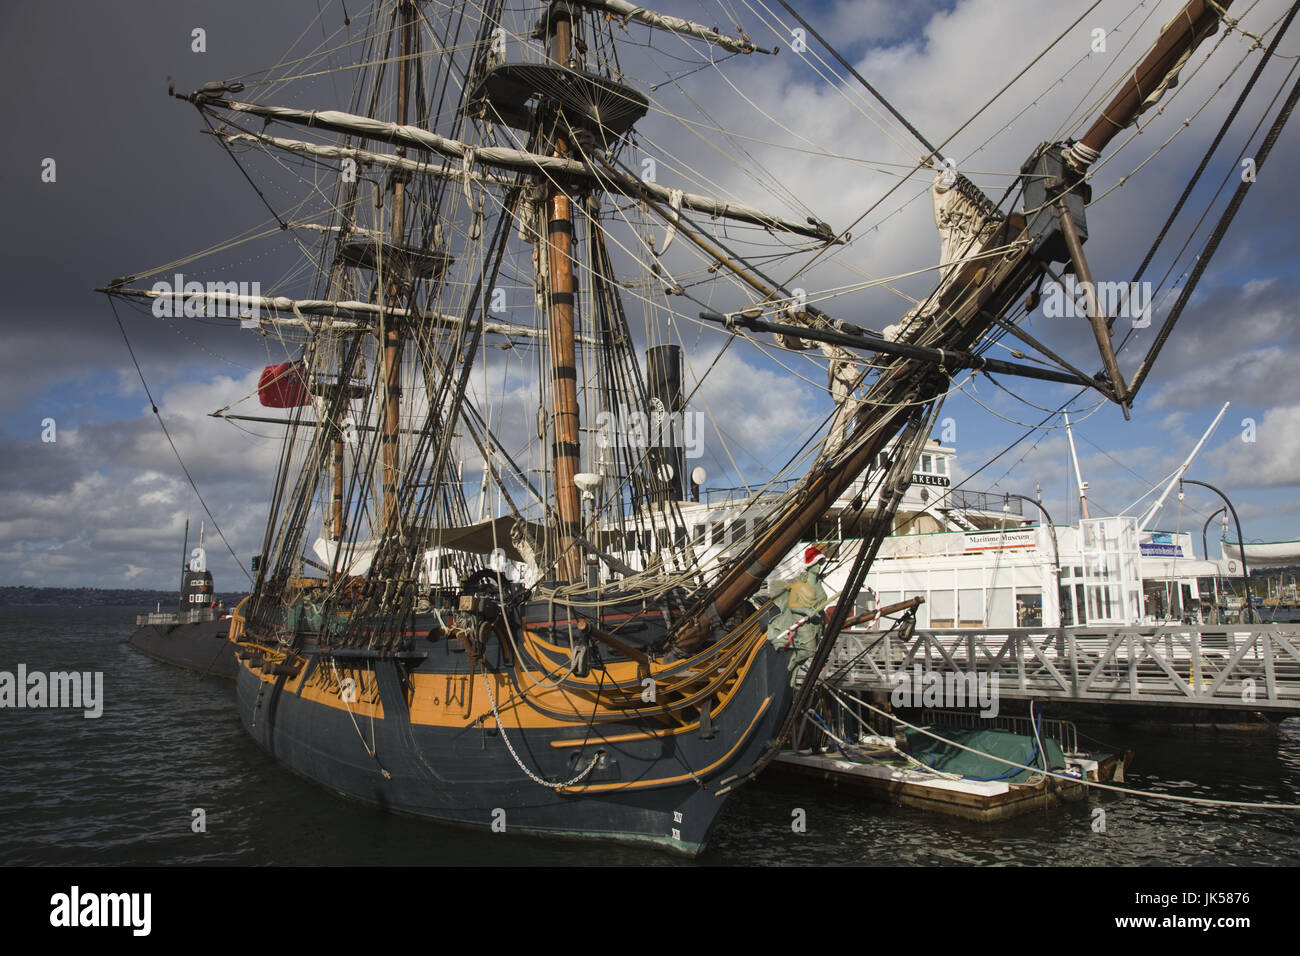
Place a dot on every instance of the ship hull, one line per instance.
(642, 791)
(202, 646)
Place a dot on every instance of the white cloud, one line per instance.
(107, 503)
(1272, 459)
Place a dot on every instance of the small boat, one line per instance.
(1265, 554)
(196, 636)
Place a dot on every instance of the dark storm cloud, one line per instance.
(140, 185)
(137, 182)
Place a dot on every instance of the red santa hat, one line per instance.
(811, 555)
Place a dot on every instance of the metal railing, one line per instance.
(164, 618)
(1243, 667)
(722, 496)
(963, 500)
(1062, 731)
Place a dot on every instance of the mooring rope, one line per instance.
(1202, 801)
(368, 747)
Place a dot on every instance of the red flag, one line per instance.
(282, 386)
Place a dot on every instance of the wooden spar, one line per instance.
(950, 359)
(363, 157)
(743, 578)
(267, 420)
(1196, 21)
(351, 313)
(906, 383)
(883, 611)
(741, 271)
(338, 484)
(392, 333)
(564, 364)
(1193, 23)
(978, 292)
(589, 629)
(1096, 318)
(628, 11)
(502, 157)
(886, 407)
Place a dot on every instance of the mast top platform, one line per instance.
(514, 93)
(407, 262)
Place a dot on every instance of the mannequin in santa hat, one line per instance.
(798, 625)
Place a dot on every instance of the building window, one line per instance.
(942, 609)
(1029, 609)
(1067, 606)
(970, 607)
(1001, 608)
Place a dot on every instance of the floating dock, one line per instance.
(986, 801)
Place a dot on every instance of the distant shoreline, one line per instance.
(22, 596)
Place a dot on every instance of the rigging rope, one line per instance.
(1214, 144)
(163, 425)
(1212, 245)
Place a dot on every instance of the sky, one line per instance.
(136, 184)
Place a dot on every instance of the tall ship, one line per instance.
(495, 276)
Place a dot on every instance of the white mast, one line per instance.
(1151, 513)
(1078, 476)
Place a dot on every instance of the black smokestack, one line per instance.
(664, 385)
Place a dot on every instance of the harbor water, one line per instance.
(124, 788)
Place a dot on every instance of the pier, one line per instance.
(1228, 668)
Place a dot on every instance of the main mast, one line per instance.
(392, 329)
(562, 290)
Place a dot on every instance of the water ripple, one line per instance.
(121, 790)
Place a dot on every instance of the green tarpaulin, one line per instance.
(1002, 743)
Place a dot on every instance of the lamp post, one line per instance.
(1051, 526)
(1056, 554)
(1205, 547)
(1205, 550)
(1241, 545)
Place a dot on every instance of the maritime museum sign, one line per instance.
(1002, 540)
(937, 480)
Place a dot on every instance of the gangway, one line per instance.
(1230, 667)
